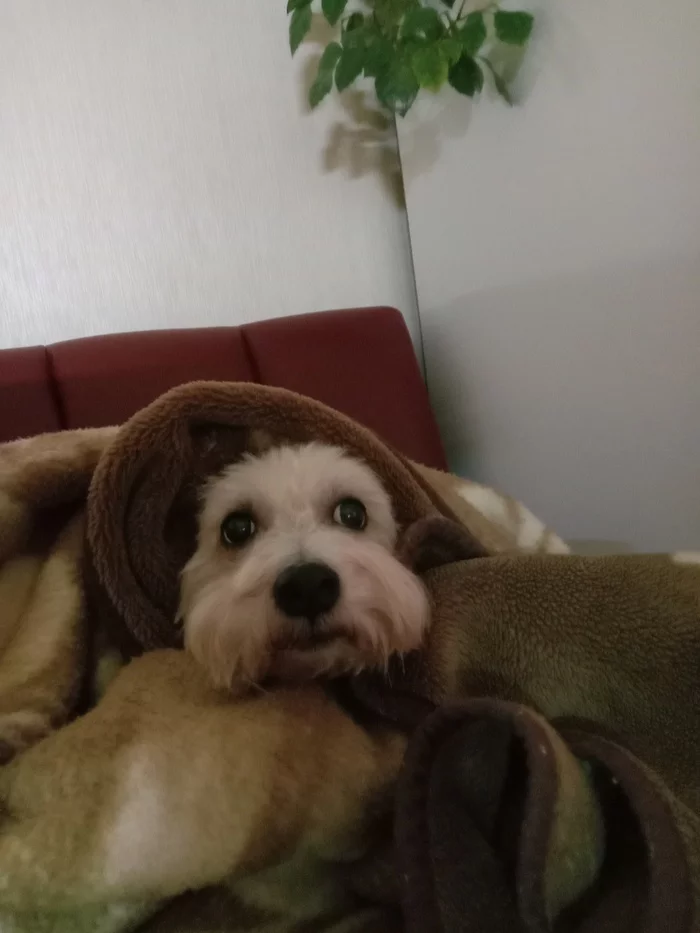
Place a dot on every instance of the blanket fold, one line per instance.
(607, 651)
(564, 830)
(552, 779)
(43, 483)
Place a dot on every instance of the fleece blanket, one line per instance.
(554, 781)
(537, 746)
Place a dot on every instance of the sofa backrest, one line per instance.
(358, 361)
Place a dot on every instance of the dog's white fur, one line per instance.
(231, 623)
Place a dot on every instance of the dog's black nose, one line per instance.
(306, 591)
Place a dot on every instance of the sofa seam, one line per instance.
(251, 359)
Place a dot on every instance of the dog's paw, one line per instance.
(19, 731)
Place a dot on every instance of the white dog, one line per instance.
(294, 575)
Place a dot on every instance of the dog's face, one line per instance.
(294, 575)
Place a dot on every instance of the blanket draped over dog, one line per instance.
(551, 780)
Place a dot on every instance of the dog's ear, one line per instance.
(434, 541)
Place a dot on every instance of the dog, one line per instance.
(295, 574)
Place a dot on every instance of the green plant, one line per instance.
(406, 45)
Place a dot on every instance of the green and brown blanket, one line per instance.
(535, 768)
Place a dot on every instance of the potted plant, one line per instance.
(404, 46)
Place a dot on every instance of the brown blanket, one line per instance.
(570, 798)
(506, 817)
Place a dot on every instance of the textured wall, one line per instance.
(157, 168)
(557, 256)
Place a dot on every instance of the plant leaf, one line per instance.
(354, 22)
(499, 83)
(330, 57)
(333, 9)
(451, 49)
(430, 67)
(512, 27)
(502, 88)
(324, 77)
(396, 87)
(350, 66)
(321, 87)
(422, 23)
(379, 54)
(299, 26)
(355, 36)
(473, 34)
(466, 76)
(296, 4)
(391, 12)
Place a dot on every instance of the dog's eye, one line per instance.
(237, 528)
(350, 513)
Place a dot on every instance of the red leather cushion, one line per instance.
(361, 362)
(27, 402)
(105, 380)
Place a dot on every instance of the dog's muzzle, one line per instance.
(306, 591)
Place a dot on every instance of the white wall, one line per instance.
(158, 169)
(557, 256)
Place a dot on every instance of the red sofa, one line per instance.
(359, 361)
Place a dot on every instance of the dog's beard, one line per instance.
(234, 629)
(298, 662)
